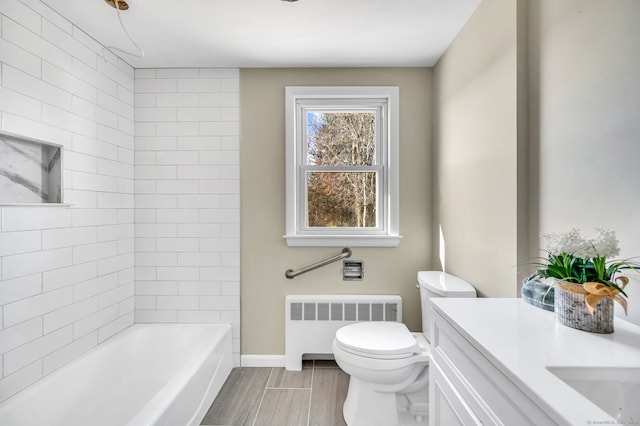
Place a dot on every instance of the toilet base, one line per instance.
(413, 408)
(365, 406)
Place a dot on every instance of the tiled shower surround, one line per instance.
(151, 176)
(187, 197)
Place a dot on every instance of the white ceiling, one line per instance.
(275, 33)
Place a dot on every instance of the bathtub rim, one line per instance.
(31, 393)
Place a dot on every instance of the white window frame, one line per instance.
(384, 100)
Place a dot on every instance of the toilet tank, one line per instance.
(439, 284)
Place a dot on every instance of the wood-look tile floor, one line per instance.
(276, 397)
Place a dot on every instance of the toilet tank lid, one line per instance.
(445, 285)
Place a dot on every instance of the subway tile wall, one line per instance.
(66, 273)
(187, 197)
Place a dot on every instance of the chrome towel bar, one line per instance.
(290, 273)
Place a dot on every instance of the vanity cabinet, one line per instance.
(466, 388)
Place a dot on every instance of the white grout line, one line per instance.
(310, 389)
(268, 388)
(262, 399)
(313, 372)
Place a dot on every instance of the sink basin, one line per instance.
(614, 389)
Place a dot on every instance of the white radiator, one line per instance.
(311, 320)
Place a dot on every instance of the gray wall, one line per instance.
(265, 255)
(585, 121)
(563, 76)
(476, 145)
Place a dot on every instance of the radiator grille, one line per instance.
(325, 311)
(311, 321)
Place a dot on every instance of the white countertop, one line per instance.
(522, 340)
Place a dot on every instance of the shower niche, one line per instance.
(30, 171)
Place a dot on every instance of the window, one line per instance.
(342, 166)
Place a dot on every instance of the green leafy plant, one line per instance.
(575, 259)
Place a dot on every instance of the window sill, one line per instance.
(343, 240)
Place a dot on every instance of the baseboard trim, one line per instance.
(262, 360)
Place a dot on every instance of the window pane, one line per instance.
(341, 138)
(341, 199)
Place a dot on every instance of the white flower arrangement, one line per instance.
(575, 259)
(605, 244)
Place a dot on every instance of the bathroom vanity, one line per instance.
(502, 361)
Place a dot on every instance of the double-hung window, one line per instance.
(342, 166)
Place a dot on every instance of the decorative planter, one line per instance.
(537, 293)
(571, 309)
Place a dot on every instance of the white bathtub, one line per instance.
(149, 374)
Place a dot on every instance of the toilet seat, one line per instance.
(378, 340)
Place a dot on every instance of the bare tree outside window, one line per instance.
(341, 198)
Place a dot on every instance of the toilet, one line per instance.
(388, 365)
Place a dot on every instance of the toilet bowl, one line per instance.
(388, 365)
(384, 360)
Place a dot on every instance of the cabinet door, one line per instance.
(446, 406)
(487, 392)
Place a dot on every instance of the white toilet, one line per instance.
(388, 365)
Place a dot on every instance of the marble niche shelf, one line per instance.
(30, 172)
